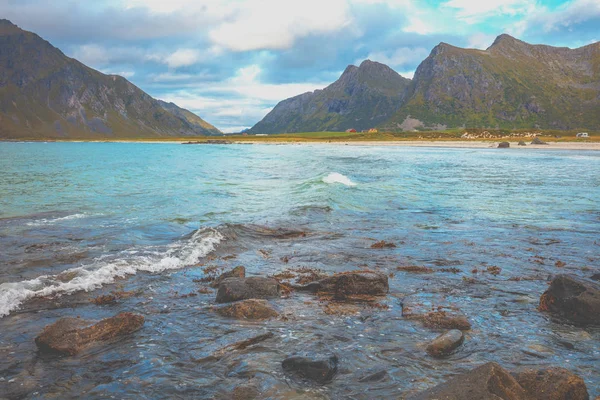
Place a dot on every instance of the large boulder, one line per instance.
(445, 343)
(71, 335)
(573, 299)
(353, 283)
(235, 289)
(237, 272)
(248, 309)
(503, 145)
(552, 384)
(318, 370)
(486, 382)
(537, 140)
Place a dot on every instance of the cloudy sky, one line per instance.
(231, 61)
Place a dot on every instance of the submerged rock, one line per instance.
(321, 371)
(71, 335)
(374, 377)
(433, 311)
(503, 145)
(552, 384)
(248, 309)
(445, 343)
(487, 382)
(573, 299)
(245, 392)
(237, 272)
(348, 284)
(235, 289)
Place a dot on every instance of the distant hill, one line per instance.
(361, 98)
(512, 84)
(45, 94)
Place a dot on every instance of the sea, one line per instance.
(152, 220)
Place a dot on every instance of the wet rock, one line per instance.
(595, 277)
(417, 269)
(537, 140)
(522, 143)
(575, 300)
(237, 272)
(433, 311)
(245, 392)
(382, 244)
(347, 284)
(241, 345)
(235, 289)
(486, 382)
(445, 343)
(71, 335)
(248, 309)
(552, 384)
(503, 145)
(374, 377)
(320, 370)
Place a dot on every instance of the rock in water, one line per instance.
(235, 289)
(503, 145)
(445, 343)
(352, 283)
(248, 309)
(575, 300)
(237, 272)
(71, 335)
(552, 384)
(320, 371)
(487, 382)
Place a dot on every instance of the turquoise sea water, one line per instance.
(82, 219)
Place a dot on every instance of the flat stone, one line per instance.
(486, 382)
(445, 343)
(318, 370)
(552, 384)
(573, 299)
(71, 335)
(352, 283)
(235, 289)
(237, 272)
(248, 309)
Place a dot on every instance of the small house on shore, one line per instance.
(351, 130)
(373, 130)
(583, 135)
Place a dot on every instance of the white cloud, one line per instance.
(564, 17)
(480, 41)
(182, 58)
(276, 24)
(472, 12)
(400, 57)
(417, 25)
(124, 74)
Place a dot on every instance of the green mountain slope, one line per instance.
(512, 84)
(361, 98)
(45, 94)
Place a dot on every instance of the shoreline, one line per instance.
(594, 146)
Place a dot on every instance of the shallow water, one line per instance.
(78, 220)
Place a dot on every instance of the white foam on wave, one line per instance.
(335, 177)
(104, 271)
(44, 221)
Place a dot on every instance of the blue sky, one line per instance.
(231, 61)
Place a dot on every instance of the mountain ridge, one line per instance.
(46, 94)
(511, 84)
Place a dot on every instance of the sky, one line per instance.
(232, 61)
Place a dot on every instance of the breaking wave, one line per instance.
(103, 271)
(335, 177)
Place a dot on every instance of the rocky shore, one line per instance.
(568, 299)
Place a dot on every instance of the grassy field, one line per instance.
(325, 137)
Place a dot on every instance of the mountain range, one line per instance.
(512, 84)
(45, 94)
